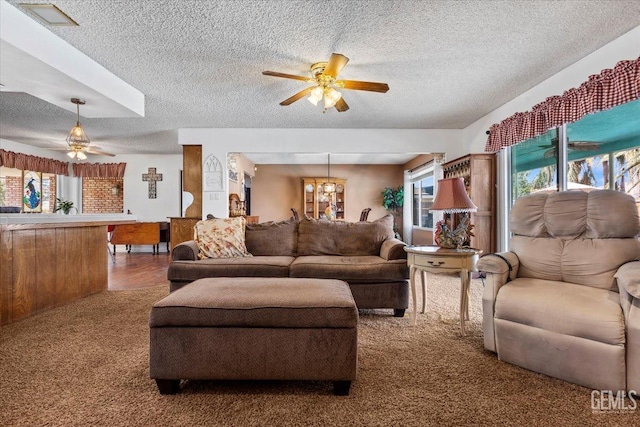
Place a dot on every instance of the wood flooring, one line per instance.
(138, 270)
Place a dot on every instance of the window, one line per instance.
(602, 151)
(422, 181)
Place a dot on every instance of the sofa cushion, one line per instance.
(258, 303)
(353, 269)
(257, 266)
(564, 308)
(272, 238)
(221, 238)
(321, 237)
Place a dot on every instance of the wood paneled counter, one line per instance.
(48, 260)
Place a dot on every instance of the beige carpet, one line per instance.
(87, 364)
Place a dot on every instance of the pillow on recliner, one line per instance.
(221, 238)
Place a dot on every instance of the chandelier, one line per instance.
(328, 187)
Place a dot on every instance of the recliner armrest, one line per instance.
(185, 251)
(393, 249)
(497, 272)
(628, 277)
(491, 263)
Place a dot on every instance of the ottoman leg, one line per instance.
(398, 312)
(168, 386)
(341, 388)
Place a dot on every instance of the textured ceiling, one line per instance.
(199, 62)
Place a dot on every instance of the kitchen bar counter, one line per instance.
(48, 260)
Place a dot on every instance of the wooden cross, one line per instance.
(152, 177)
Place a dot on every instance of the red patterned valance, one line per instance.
(602, 91)
(10, 159)
(99, 170)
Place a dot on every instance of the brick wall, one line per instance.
(98, 197)
(13, 191)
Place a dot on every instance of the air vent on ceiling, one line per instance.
(49, 14)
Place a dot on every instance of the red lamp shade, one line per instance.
(452, 197)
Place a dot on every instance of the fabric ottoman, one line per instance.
(246, 328)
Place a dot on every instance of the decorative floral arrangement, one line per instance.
(452, 239)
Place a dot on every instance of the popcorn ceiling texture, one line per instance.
(199, 62)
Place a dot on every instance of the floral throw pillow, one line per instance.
(221, 238)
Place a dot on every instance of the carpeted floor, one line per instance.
(87, 364)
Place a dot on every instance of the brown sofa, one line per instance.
(364, 254)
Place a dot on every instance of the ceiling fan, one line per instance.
(574, 146)
(78, 141)
(324, 80)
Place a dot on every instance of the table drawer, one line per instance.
(439, 262)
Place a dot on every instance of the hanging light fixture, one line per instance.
(77, 152)
(328, 187)
(330, 95)
(316, 95)
(77, 139)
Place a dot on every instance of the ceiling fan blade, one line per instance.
(583, 145)
(358, 85)
(287, 76)
(335, 65)
(297, 96)
(97, 150)
(341, 105)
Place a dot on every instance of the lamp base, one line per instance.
(447, 238)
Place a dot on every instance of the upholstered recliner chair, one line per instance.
(565, 300)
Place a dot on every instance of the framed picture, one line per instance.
(233, 176)
(31, 191)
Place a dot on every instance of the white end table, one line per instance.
(434, 259)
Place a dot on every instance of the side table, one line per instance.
(434, 259)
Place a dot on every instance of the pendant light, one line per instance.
(329, 187)
(77, 139)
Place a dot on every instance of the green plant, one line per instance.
(393, 199)
(64, 205)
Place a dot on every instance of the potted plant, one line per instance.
(64, 205)
(393, 201)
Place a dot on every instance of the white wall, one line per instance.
(624, 47)
(136, 191)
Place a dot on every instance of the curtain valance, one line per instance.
(10, 159)
(99, 170)
(600, 92)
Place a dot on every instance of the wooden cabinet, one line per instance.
(479, 173)
(315, 201)
(182, 229)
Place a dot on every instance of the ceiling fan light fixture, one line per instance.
(316, 95)
(81, 155)
(331, 96)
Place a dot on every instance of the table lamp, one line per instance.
(452, 198)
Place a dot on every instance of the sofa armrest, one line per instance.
(497, 274)
(185, 251)
(393, 249)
